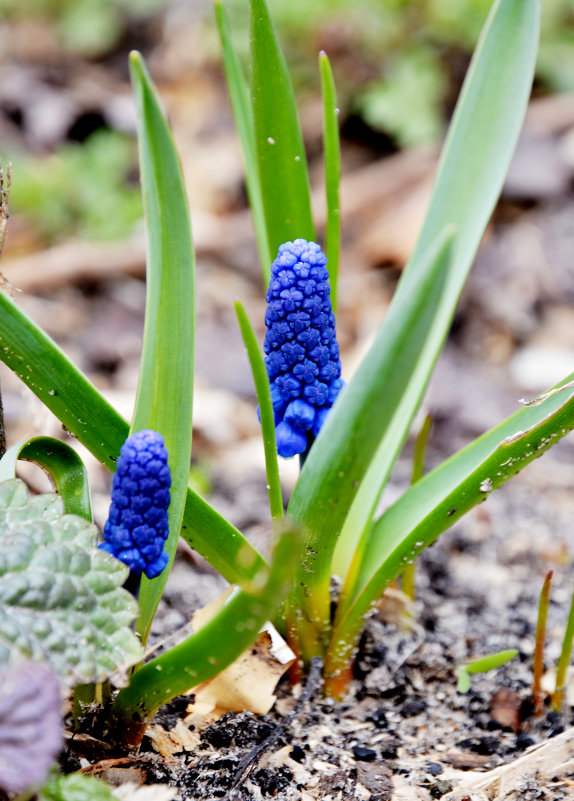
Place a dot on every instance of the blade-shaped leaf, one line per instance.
(490, 662)
(261, 381)
(61, 598)
(341, 455)
(483, 133)
(65, 467)
(281, 159)
(241, 105)
(475, 158)
(63, 389)
(332, 159)
(438, 500)
(209, 650)
(165, 390)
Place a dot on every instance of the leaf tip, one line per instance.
(136, 59)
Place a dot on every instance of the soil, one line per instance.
(404, 731)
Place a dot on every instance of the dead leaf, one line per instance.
(505, 709)
(247, 684)
(149, 792)
(171, 742)
(542, 763)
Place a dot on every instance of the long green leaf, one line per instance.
(483, 133)
(221, 544)
(438, 500)
(209, 650)
(164, 398)
(476, 155)
(279, 147)
(64, 466)
(475, 158)
(240, 103)
(340, 457)
(332, 159)
(262, 388)
(63, 389)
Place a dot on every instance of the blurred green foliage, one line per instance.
(87, 27)
(399, 63)
(80, 190)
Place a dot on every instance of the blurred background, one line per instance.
(75, 251)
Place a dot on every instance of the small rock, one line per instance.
(379, 718)
(363, 754)
(434, 768)
(413, 707)
(297, 753)
(376, 778)
(523, 742)
(440, 788)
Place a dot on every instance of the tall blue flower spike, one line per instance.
(301, 345)
(137, 527)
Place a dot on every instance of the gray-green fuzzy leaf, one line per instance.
(61, 599)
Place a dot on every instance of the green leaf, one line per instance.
(165, 391)
(482, 665)
(240, 103)
(483, 133)
(61, 598)
(563, 661)
(338, 460)
(263, 390)
(332, 158)
(463, 681)
(486, 663)
(221, 544)
(438, 500)
(63, 389)
(209, 650)
(279, 146)
(76, 787)
(471, 171)
(408, 578)
(61, 462)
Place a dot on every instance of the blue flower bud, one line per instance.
(302, 355)
(137, 526)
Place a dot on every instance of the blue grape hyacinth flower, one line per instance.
(137, 528)
(302, 354)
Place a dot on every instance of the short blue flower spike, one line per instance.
(302, 353)
(137, 528)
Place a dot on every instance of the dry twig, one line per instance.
(251, 759)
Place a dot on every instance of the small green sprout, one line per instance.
(563, 661)
(538, 666)
(482, 665)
